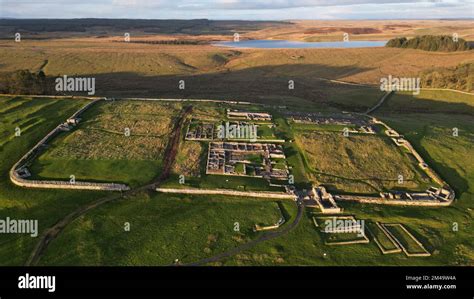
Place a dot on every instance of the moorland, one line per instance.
(183, 229)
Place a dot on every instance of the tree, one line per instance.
(26, 82)
(442, 43)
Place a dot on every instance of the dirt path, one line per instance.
(169, 158)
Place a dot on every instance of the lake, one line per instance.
(276, 44)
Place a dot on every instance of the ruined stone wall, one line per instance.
(51, 184)
(429, 171)
(384, 201)
(260, 194)
(67, 185)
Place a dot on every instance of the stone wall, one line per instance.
(260, 194)
(384, 201)
(428, 170)
(51, 184)
(67, 185)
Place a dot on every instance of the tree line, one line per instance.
(26, 82)
(442, 43)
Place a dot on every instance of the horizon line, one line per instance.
(250, 20)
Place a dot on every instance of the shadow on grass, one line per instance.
(450, 175)
(403, 103)
(267, 85)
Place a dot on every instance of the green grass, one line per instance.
(98, 149)
(335, 238)
(240, 168)
(430, 101)
(133, 173)
(203, 180)
(240, 183)
(358, 163)
(381, 237)
(430, 134)
(353, 98)
(449, 156)
(320, 127)
(255, 158)
(405, 240)
(46, 206)
(332, 238)
(292, 151)
(265, 132)
(189, 228)
(279, 165)
(162, 228)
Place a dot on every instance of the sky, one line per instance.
(238, 9)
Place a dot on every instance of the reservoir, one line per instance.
(285, 44)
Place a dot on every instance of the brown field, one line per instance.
(88, 57)
(208, 112)
(188, 159)
(312, 30)
(102, 134)
(154, 70)
(145, 70)
(149, 119)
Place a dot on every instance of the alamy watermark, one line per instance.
(19, 226)
(28, 281)
(237, 131)
(345, 226)
(66, 83)
(400, 84)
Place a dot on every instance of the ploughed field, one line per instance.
(116, 141)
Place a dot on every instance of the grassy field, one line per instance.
(35, 117)
(406, 241)
(335, 238)
(189, 159)
(430, 101)
(368, 163)
(201, 30)
(333, 30)
(240, 183)
(165, 227)
(48, 206)
(451, 157)
(189, 228)
(209, 112)
(119, 141)
(145, 70)
(385, 241)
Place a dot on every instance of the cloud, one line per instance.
(283, 4)
(236, 9)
